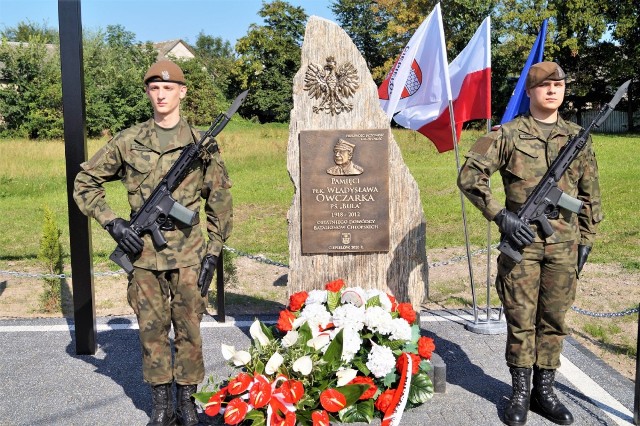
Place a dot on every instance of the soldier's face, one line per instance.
(165, 97)
(548, 95)
(341, 156)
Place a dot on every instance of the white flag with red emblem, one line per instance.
(470, 74)
(420, 76)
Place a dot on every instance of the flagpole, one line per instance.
(464, 213)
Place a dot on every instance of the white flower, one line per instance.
(345, 376)
(257, 334)
(237, 357)
(303, 365)
(349, 316)
(319, 342)
(316, 296)
(353, 295)
(401, 330)
(316, 315)
(274, 363)
(378, 319)
(290, 339)
(381, 361)
(351, 342)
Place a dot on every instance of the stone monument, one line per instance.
(356, 212)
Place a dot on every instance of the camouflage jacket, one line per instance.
(134, 157)
(520, 153)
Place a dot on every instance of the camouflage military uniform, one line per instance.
(537, 292)
(163, 287)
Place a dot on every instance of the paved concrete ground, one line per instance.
(45, 383)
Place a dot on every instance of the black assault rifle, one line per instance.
(160, 207)
(546, 196)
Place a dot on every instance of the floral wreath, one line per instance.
(335, 355)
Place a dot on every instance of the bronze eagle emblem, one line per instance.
(332, 84)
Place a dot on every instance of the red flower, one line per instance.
(260, 394)
(426, 346)
(285, 322)
(288, 420)
(384, 400)
(361, 380)
(394, 303)
(407, 313)
(320, 418)
(292, 390)
(236, 411)
(214, 404)
(240, 384)
(296, 300)
(332, 400)
(415, 363)
(335, 286)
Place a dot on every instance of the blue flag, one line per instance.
(519, 102)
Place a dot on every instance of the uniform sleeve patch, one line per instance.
(482, 145)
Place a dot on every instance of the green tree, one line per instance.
(50, 256)
(31, 101)
(204, 98)
(114, 64)
(219, 58)
(365, 23)
(269, 59)
(24, 31)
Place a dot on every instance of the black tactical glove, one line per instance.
(583, 254)
(512, 227)
(206, 273)
(126, 237)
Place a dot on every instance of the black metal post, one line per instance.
(75, 143)
(220, 288)
(636, 400)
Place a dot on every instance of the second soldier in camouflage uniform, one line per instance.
(537, 292)
(164, 287)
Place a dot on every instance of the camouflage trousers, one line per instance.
(161, 299)
(536, 294)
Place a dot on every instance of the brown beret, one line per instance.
(164, 70)
(544, 71)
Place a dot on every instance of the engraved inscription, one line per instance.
(345, 210)
(332, 84)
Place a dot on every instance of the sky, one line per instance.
(157, 20)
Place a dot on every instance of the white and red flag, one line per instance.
(470, 85)
(419, 79)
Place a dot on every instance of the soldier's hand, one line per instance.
(583, 254)
(206, 273)
(512, 227)
(126, 237)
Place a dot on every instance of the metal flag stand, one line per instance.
(488, 325)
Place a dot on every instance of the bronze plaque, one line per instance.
(344, 189)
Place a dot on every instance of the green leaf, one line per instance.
(360, 412)
(266, 330)
(421, 389)
(389, 379)
(374, 301)
(259, 366)
(334, 352)
(415, 333)
(203, 397)
(425, 365)
(361, 366)
(256, 417)
(304, 334)
(333, 300)
(352, 392)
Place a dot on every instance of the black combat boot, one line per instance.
(515, 413)
(187, 414)
(544, 401)
(163, 413)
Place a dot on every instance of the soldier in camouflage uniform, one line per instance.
(164, 287)
(537, 292)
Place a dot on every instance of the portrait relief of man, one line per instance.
(342, 157)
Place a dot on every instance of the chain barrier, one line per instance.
(263, 259)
